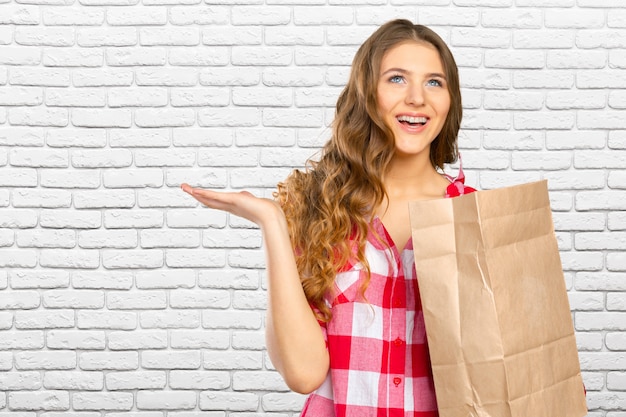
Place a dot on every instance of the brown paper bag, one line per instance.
(497, 315)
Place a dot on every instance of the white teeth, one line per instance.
(412, 120)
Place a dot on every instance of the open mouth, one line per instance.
(412, 121)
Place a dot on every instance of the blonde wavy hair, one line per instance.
(329, 206)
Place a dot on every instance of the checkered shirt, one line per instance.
(379, 361)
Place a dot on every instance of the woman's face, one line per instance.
(412, 96)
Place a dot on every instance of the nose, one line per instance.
(414, 95)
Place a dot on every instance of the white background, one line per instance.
(120, 296)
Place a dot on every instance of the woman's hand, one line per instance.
(242, 204)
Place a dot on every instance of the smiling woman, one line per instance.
(344, 316)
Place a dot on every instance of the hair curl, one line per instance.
(329, 206)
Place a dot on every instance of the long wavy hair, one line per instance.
(329, 206)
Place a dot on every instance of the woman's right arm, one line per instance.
(295, 342)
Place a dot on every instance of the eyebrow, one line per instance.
(403, 71)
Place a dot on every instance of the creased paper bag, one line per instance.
(497, 315)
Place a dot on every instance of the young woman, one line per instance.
(344, 317)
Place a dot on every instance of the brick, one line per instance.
(487, 79)
(171, 359)
(226, 76)
(599, 79)
(21, 136)
(615, 261)
(441, 17)
(60, 219)
(22, 340)
(133, 178)
(46, 36)
(249, 320)
(43, 319)
(115, 320)
(24, 279)
(203, 15)
(180, 278)
(617, 100)
(20, 381)
(170, 36)
(76, 138)
(617, 140)
(108, 361)
(600, 321)
(282, 401)
(39, 400)
(132, 219)
(186, 258)
(556, 119)
(293, 77)
(575, 140)
(194, 339)
(75, 339)
(261, 55)
(72, 57)
(616, 302)
(586, 301)
(262, 96)
(82, 299)
(38, 158)
(136, 16)
(248, 340)
(101, 118)
(137, 340)
(185, 97)
(232, 238)
(228, 157)
(100, 401)
(214, 137)
(399, 9)
(75, 381)
(140, 380)
(559, 100)
(139, 138)
(69, 258)
(591, 59)
(97, 239)
(553, 79)
(581, 261)
(327, 16)
(137, 97)
(21, 96)
(255, 380)
(587, 341)
(260, 15)
(265, 137)
(202, 380)
(163, 198)
(47, 360)
(18, 258)
(18, 219)
(169, 319)
(72, 16)
(20, 15)
(615, 340)
(511, 18)
(132, 259)
(104, 199)
(137, 300)
(599, 159)
(102, 77)
(532, 160)
(589, 39)
(617, 221)
(199, 299)
(38, 116)
(19, 55)
(165, 118)
(499, 100)
(166, 400)
(228, 401)
(133, 56)
(19, 300)
(316, 55)
(522, 140)
(304, 35)
(42, 238)
(233, 360)
(487, 38)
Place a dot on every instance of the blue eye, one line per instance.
(396, 79)
(434, 83)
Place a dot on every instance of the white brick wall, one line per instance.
(119, 294)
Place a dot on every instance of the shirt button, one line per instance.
(398, 342)
(396, 381)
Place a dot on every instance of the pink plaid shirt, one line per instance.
(379, 361)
